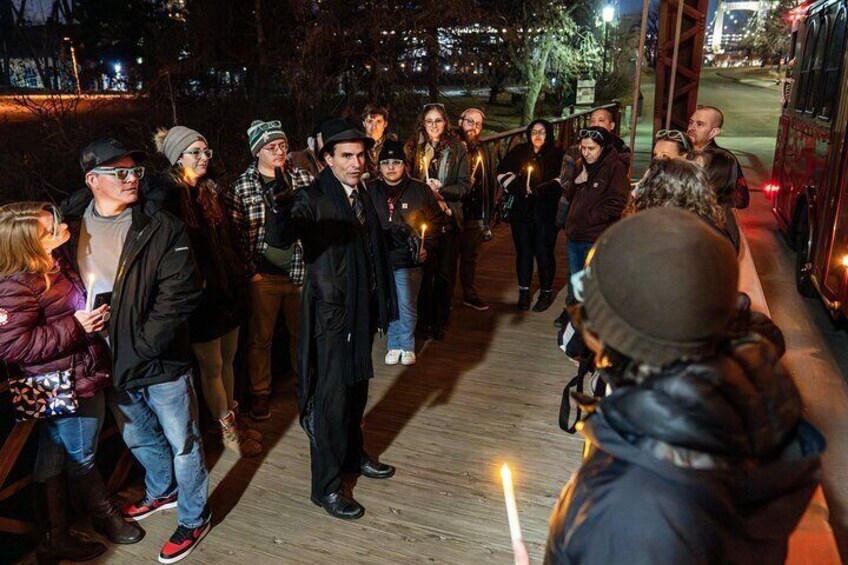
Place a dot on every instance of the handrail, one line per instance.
(521, 129)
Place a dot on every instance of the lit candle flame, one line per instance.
(511, 507)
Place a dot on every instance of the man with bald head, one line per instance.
(604, 118)
(704, 126)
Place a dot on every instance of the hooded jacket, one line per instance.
(600, 201)
(541, 204)
(157, 288)
(702, 463)
(39, 334)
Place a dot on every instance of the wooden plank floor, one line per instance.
(489, 392)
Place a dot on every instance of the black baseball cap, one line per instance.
(392, 150)
(104, 151)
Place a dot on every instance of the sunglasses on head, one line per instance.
(590, 133)
(434, 105)
(674, 135)
(121, 173)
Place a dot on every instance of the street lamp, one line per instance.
(607, 15)
(74, 63)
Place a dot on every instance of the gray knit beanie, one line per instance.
(260, 134)
(173, 142)
(660, 286)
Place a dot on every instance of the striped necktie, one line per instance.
(358, 207)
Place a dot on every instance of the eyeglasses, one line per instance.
(674, 135)
(392, 162)
(275, 124)
(591, 133)
(278, 148)
(436, 122)
(121, 173)
(199, 153)
(472, 123)
(538, 133)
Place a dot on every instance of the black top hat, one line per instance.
(338, 130)
(104, 151)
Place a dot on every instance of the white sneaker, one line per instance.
(393, 356)
(407, 358)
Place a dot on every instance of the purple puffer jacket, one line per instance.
(39, 334)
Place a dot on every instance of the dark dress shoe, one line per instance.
(339, 506)
(373, 470)
(523, 299)
(546, 298)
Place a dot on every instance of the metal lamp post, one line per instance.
(74, 63)
(607, 14)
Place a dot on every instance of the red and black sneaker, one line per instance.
(183, 542)
(145, 507)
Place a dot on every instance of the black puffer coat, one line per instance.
(703, 463)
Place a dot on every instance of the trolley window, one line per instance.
(833, 64)
(806, 64)
(814, 88)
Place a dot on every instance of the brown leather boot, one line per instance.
(55, 542)
(234, 440)
(105, 518)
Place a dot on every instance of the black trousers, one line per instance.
(338, 406)
(438, 280)
(471, 239)
(535, 240)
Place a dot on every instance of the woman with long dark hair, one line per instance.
(215, 323)
(722, 173)
(438, 156)
(529, 175)
(598, 195)
(47, 334)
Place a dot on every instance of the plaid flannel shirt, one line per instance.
(247, 209)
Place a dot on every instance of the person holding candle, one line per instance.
(437, 155)
(142, 258)
(701, 453)
(44, 329)
(214, 325)
(407, 208)
(476, 208)
(529, 173)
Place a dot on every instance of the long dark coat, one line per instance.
(336, 252)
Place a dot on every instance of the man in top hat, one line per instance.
(347, 297)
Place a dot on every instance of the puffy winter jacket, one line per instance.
(39, 334)
(703, 463)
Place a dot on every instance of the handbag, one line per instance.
(43, 396)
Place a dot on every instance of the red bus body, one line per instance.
(809, 184)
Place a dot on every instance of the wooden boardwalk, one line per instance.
(488, 393)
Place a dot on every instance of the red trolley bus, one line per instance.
(809, 187)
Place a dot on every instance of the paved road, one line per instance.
(818, 350)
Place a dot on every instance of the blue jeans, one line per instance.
(402, 330)
(159, 424)
(69, 443)
(577, 252)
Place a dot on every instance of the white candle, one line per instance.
(423, 231)
(426, 166)
(476, 166)
(511, 508)
(529, 174)
(89, 293)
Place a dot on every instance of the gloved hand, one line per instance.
(278, 195)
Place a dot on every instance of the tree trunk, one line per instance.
(535, 77)
(261, 55)
(433, 64)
